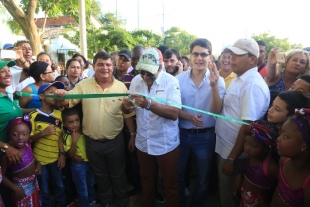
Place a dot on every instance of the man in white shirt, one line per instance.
(157, 138)
(247, 98)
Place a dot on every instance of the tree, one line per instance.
(273, 41)
(23, 15)
(109, 20)
(178, 39)
(146, 38)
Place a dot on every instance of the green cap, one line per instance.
(6, 63)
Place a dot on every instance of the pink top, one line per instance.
(258, 175)
(27, 160)
(291, 196)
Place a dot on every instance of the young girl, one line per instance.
(261, 170)
(294, 173)
(24, 183)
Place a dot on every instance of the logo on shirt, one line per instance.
(57, 122)
(138, 88)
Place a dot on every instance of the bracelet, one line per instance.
(133, 133)
(149, 104)
(63, 153)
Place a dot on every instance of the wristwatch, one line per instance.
(5, 147)
(230, 161)
(149, 103)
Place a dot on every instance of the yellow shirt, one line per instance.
(46, 149)
(229, 78)
(102, 117)
(80, 145)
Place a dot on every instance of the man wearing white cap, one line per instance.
(157, 138)
(247, 98)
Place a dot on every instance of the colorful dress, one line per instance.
(28, 184)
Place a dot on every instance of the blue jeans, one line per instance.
(84, 180)
(201, 146)
(51, 172)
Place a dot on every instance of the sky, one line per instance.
(220, 21)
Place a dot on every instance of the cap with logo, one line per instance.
(6, 63)
(45, 86)
(244, 46)
(126, 53)
(150, 60)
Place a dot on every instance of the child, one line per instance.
(284, 106)
(47, 126)
(302, 84)
(294, 173)
(65, 81)
(261, 170)
(74, 144)
(24, 185)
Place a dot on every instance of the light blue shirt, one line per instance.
(198, 98)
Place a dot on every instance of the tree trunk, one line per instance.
(26, 21)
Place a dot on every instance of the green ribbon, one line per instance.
(75, 96)
(107, 95)
(195, 109)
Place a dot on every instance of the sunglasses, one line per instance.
(143, 73)
(203, 55)
(48, 72)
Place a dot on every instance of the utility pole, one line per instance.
(83, 42)
(163, 27)
(138, 14)
(116, 11)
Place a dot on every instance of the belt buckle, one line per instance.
(193, 131)
(103, 140)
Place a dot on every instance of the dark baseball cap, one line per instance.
(126, 53)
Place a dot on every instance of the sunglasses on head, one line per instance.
(143, 73)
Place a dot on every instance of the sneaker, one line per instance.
(187, 192)
(160, 198)
(133, 192)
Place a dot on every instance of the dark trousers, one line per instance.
(168, 165)
(132, 164)
(107, 160)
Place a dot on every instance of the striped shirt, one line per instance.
(46, 149)
(127, 77)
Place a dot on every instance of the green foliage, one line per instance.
(178, 39)
(273, 41)
(146, 38)
(14, 26)
(110, 21)
(112, 36)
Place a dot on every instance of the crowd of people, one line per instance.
(240, 125)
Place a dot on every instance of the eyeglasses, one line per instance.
(203, 55)
(48, 72)
(143, 73)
